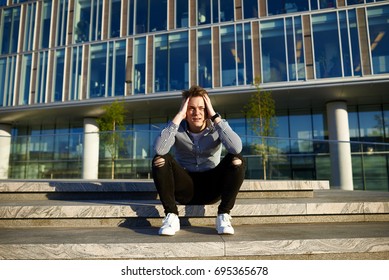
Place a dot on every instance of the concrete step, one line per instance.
(140, 189)
(274, 241)
(324, 206)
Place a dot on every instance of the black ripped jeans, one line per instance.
(175, 184)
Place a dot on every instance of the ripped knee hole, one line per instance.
(159, 162)
(237, 161)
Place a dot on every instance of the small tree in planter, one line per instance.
(260, 110)
(111, 125)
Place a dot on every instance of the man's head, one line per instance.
(196, 114)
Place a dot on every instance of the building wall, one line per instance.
(63, 53)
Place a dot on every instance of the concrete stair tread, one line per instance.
(267, 241)
(146, 185)
(324, 202)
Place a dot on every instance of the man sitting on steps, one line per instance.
(197, 174)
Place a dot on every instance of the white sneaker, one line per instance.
(170, 225)
(223, 224)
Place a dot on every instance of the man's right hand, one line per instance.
(181, 115)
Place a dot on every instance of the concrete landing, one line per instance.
(281, 241)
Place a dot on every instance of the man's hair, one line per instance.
(193, 92)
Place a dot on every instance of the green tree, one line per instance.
(260, 111)
(111, 125)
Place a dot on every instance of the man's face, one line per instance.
(196, 114)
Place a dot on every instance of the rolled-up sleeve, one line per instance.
(165, 139)
(229, 138)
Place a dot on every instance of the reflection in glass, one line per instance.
(45, 25)
(97, 68)
(40, 91)
(139, 73)
(75, 74)
(378, 18)
(9, 30)
(62, 21)
(250, 8)
(172, 58)
(182, 9)
(59, 74)
(205, 57)
(25, 79)
(29, 27)
(273, 59)
(327, 53)
(115, 15)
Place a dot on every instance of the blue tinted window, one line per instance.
(172, 58)
(45, 25)
(9, 29)
(276, 7)
(59, 74)
(139, 74)
(97, 76)
(250, 8)
(327, 53)
(273, 58)
(182, 19)
(378, 18)
(62, 22)
(40, 91)
(205, 57)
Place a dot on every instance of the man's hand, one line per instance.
(209, 106)
(181, 115)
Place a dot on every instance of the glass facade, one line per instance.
(118, 49)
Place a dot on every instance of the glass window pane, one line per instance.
(25, 79)
(45, 25)
(9, 30)
(139, 74)
(301, 128)
(182, 13)
(354, 37)
(327, 52)
(276, 7)
(141, 16)
(300, 58)
(97, 70)
(378, 18)
(344, 32)
(40, 91)
(371, 123)
(227, 10)
(29, 27)
(130, 16)
(76, 75)
(115, 15)
(205, 57)
(273, 59)
(82, 21)
(158, 15)
(3, 73)
(62, 22)
(248, 54)
(229, 55)
(179, 61)
(119, 70)
(204, 11)
(161, 59)
(250, 8)
(59, 74)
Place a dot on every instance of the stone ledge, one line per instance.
(147, 185)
